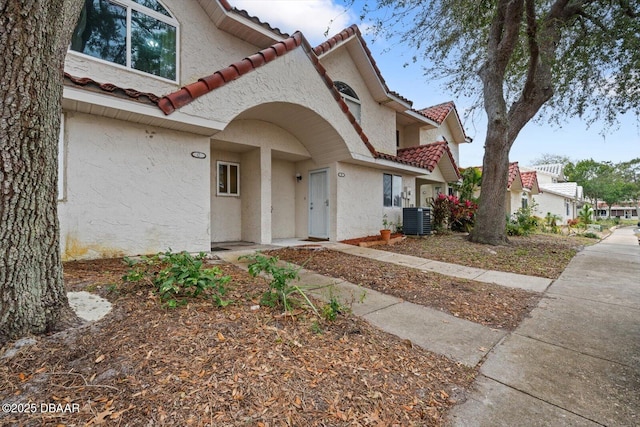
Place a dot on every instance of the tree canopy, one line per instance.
(573, 57)
(605, 181)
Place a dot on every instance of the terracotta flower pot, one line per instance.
(386, 235)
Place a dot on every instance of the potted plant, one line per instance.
(386, 231)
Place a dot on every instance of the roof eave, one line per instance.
(231, 20)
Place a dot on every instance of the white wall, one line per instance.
(378, 122)
(132, 189)
(283, 199)
(360, 201)
(549, 202)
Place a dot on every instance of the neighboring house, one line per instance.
(530, 187)
(520, 189)
(287, 141)
(628, 210)
(562, 199)
(558, 197)
(515, 189)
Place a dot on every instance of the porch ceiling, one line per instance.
(321, 140)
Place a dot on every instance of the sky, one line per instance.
(314, 18)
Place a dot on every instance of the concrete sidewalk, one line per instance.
(576, 360)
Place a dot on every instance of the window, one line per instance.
(228, 179)
(350, 98)
(137, 34)
(525, 201)
(566, 205)
(391, 187)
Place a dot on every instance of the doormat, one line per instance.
(315, 239)
(218, 249)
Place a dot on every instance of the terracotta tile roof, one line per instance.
(424, 156)
(529, 179)
(173, 101)
(514, 172)
(438, 113)
(225, 4)
(343, 36)
(94, 86)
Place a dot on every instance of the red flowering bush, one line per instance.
(449, 212)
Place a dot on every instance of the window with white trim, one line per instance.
(350, 98)
(228, 179)
(137, 34)
(391, 188)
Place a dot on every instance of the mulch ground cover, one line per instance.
(539, 255)
(198, 365)
(488, 304)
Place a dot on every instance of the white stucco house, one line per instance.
(190, 122)
(557, 196)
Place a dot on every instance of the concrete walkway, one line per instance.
(460, 340)
(576, 360)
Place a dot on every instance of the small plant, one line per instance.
(280, 289)
(551, 223)
(316, 328)
(385, 222)
(585, 214)
(331, 310)
(177, 276)
(112, 288)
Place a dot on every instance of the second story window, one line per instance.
(137, 34)
(350, 98)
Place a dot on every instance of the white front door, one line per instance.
(319, 204)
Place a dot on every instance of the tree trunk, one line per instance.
(491, 219)
(33, 39)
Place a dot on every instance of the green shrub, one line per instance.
(279, 287)
(590, 235)
(522, 223)
(177, 276)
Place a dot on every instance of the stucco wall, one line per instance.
(378, 122)
(132, 189)
(360, 201)
(195, 32)
(283, 199)
(428, 136)
(548, 202)
(293, 81)
(514, 201)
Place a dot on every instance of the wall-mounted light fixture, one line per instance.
(298, 177)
